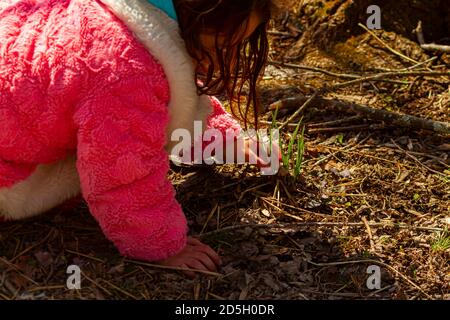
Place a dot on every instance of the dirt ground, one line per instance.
(366, 195)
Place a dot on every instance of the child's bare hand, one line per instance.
(251, 154)
(195, 255)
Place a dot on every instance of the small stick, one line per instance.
(84, 255)
(289, 125)
(335, 122)
(389, 75)
(4, 297)
(420, 154)
(120, 289)
(251, 189)
(215, 296)
(380, 290)
(280, 33)
(210, 273)
(435, 47)
(410, 68)
(428, 46)
(348, 147)
(270, 200)
(97, 284)
(209, 217)
(386, 45)
(348, 128)
(369, 232)
(299, 110)
(328, 73)
(336, 294)
(316, 223)
(56, 287)
(403, 120)
(338, 150)
(419, 33)
(315, 69)
(339, 263)
(8, 285)
(33, 246)
(419, 162)
(18, 271)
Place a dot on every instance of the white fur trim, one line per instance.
(48, 186)
(160, 36)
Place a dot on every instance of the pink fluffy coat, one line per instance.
(74, 78)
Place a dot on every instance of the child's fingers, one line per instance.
(197, 263)
(206, 249)
(189, 274)
(211, 254)
(251, 156)
(206, 261)
(194, 241)
(259, 162)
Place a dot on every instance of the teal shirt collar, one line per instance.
(166, 6)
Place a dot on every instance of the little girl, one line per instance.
(90, 92)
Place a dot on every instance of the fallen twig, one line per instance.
(32, 247)
(387, 46)
(317, 223)
(339, 263)
(435, 47)
(210, 273)
(419, 33)
(330, 73)
(347, 128)
(305, 104)
(315, 69)
(15, 268)
(369, 233)
(410, 68)
(402, 120)
(389, 75)
(428, 46)
(334, 122)
(312, 130)
(419, 154)
(415, 159)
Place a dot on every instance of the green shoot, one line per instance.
(441, 242)
(300, 152)
(291, 144)
(273, 126)
(295, 138)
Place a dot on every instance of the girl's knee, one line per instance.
(49, 186)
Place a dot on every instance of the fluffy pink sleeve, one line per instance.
(123, 166)
(220, 119)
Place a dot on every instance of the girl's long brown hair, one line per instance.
(236, 62)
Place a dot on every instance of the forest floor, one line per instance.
(370, 195)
